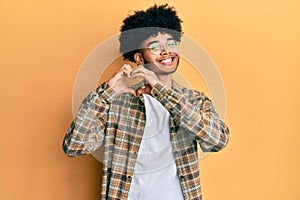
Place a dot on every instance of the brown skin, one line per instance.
(156, 68)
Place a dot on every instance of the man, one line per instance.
(150, 131)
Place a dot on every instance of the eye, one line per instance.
(171, 44)
(155, 48)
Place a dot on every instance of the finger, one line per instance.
(120, 72)
(141, 70)
(126, 70)
(147, 89)
(127, 73)
(139, 91)
(138, 69)
(132, 91)
(138, 74)
(128, 67)
(118, 75)
(122, 68)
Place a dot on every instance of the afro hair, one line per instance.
(144, 24)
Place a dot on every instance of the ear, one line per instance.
(138, 58)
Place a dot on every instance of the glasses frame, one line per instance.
(157, 50)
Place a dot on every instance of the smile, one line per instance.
(167, 61)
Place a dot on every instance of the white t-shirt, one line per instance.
(155, 174)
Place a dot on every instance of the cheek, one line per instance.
(178, 59)
(148, 58)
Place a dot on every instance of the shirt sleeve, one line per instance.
(194, 112)
(86, 132)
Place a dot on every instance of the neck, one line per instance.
(166, 80)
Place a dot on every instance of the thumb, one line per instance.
(139, 91)
(147, 89)
(132, 91)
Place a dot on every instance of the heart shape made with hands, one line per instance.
(119, 85)
(146, 89)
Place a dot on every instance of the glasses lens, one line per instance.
(171, 45)
(155, 48)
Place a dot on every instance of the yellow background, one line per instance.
(255, 45)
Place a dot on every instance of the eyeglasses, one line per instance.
(156, 48)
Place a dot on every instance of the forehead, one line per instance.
(160, 37)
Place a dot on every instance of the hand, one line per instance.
(117, 82)
(149, 76)
(147, 90)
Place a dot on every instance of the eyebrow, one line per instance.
(157, 41)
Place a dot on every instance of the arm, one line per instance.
(86, 132)
(196, 115)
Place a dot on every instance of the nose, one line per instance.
(164, 51)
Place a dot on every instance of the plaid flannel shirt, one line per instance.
(116, 123)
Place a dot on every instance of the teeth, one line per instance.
(167, 60)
